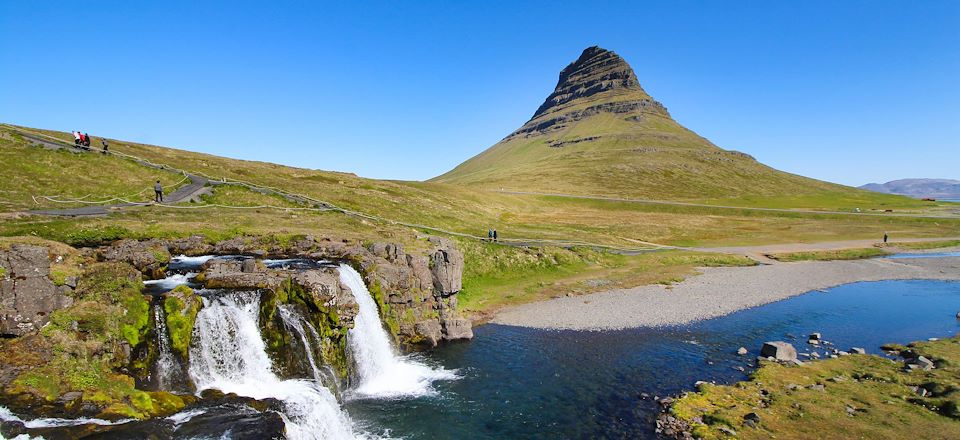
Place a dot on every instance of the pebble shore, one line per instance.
(716, 292)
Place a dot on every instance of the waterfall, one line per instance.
(382, 372)
(229, 354)
(168, 368)
(296, 322)
(45, 422)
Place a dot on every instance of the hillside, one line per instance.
(935, 188)
(601, 133)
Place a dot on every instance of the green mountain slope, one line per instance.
(600, 133)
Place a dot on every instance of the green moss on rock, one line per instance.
(181, 306)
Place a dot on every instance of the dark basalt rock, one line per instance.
(598, 72)
(27, 294)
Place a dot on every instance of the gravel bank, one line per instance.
(716, 292)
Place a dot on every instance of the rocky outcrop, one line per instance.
(416, 292)
(150, 256)
(27, 294)
(600, 81)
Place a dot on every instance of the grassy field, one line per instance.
(840, 254)
(863, 396)
(464, 210)
(496, 275)
(34, 171)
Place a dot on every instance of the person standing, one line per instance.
(885, 237)
(106, 147)
(86, 139)
(158, 192)
(76, 138)
(495, 235)
(489, 234)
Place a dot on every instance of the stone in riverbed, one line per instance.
(857, 350)
(779, 350)
(815, 336)
(742, 351)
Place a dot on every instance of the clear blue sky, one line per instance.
(846, 91)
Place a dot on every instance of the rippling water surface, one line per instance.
(524, 383)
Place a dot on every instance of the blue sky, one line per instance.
(848, 91)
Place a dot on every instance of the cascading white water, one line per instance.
(293, 320)
(382, 372)
(228, 354)
(7, 416)
(172, 281)
(167, 365)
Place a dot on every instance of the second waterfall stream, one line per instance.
(381, 371)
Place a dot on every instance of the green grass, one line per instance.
(884, 404)
(839, 254)
(34, 171)
(497, 276)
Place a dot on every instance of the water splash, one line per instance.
(228, 354)
(171, 282)
(7, 416)
(382, 372)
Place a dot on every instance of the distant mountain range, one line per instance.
(933, 188)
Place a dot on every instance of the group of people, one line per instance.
(492, 235)
(82, 140)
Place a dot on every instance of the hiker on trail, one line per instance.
(494, 235)
(158, 192)
(885, 237)
(490, 234)
(86, 139)
(105, 146)
(76, 138)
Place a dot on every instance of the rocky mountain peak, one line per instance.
(597, 70)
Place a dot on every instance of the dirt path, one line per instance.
(194, 189)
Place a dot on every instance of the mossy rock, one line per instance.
(325, 320)
(181, 306)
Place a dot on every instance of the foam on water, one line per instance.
(228, 354)
(172, 281)
(7, 416)
(382, 372)
(192, 261)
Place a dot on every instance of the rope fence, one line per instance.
(323, 206)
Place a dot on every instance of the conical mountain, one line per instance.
(600, 133)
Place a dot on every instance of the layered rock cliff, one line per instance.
(88, 345)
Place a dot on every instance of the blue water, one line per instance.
(930, 255)
(525, 383)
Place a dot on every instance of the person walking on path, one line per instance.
(158, 192)
(494, 235)
(885, 237)
(105, 146)
(86, 140)
(489, 234)
(76, 138)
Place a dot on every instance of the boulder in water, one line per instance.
(779, 350)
